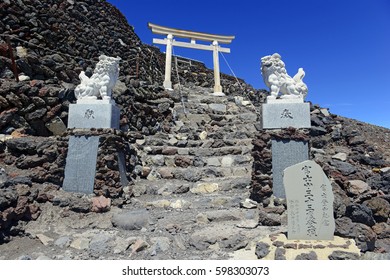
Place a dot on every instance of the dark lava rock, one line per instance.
(269, 219)
(234, 243)
(202, 242)
(356, 140)
(344, 167)
(341, 255)
(262, 250)
(365, 237)
(80, 205)
(25, 145)
(280, 254)
(379, 207)
(307, 256)
(360, 213)
(317, 131)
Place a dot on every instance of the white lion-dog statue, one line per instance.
(280, 83)
(101, 83)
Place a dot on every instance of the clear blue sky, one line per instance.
(343, 45)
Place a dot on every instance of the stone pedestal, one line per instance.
(80, 169)
(280, 114)
(286, 113)
(93, 113)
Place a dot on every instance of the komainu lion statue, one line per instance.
(103, 80)
(280, 83)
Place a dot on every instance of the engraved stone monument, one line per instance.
(309, 202)
(284, 108)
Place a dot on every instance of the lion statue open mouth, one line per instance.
(103, 80)
(280, 83)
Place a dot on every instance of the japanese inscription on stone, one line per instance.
(309, 202)
(89, 114)
(286, 114)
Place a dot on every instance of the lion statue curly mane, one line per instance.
(280, 83)
(103, 80)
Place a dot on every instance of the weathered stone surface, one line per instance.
(307, 256)
(356, 140)
(382, 230)
(360, 213)
(234, 243)
(227, 161)
(280, 254)
(344, 167)
(100, 244)
(262, 249)
(340, 255)
(340, 156)
(365, 237)
(139, 246)
(63, 241)
(219, 108)
(203, 188)
(100, 204)
(183, 161)
(357, 187)
(131, 220)
(160, 244)
(379, 207)
(80, 243)
(269, 219)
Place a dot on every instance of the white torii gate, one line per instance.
(193, 36)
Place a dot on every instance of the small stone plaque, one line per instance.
(283, 115)
(284, 154)
(80, 168)
(93, 115)
(309, 202)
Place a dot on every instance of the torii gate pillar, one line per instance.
(217, 77)
(168, 63)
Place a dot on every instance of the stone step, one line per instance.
(233, 185)
(196, 161)
(194, 203)
(195, 174)
(171, 140)
(196, 117)
(198, 151)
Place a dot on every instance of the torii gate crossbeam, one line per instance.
(193, 36)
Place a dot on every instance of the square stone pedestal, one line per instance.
(94, 114)
(283, 113)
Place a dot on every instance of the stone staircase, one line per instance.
(196, 178)
(211, 144)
